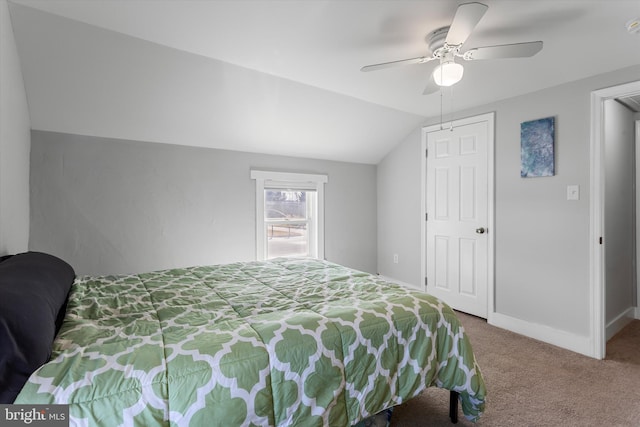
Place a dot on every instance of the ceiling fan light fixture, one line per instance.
(448, 73)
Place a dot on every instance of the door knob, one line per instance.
(480, 230)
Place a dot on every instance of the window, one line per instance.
(289, 214)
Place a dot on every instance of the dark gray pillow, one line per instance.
(33, 292)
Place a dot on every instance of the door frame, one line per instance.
(489, 118)
(597, 258)
(637, 259)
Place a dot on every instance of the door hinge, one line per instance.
(600, 240)
(425, 282)
(426, 152)
(426, 216)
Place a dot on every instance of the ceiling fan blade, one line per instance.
(517, 50)
(467, 17)
(375, 67)
(431, 87)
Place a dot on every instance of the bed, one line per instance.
(290, 341)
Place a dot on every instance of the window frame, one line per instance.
(290, 181)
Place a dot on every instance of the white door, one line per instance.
(457, 232)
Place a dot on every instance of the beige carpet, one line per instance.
(530, 383)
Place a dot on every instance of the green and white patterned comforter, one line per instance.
(284, 342)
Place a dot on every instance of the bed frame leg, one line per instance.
(453, 406)
(389, 413)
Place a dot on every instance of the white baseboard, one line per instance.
(399, 282)
(637, 313)
(578, 343)
(622, 320)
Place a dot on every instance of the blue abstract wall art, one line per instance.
(537, 139)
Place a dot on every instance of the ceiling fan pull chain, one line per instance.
(451, 124)
(441, 126)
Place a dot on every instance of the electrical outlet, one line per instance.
(395, 258)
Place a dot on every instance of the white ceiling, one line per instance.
(283, 77)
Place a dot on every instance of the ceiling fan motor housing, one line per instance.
(436, 39)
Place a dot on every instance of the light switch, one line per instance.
(573, 192)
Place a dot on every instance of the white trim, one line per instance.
(622, 320)
(289, 176)
(636, 314)
(597, 257)
(489, 118)
(261, 243)
(283, 180)
(596, 231)
(578, 343)
(401, 283)
(637, 191)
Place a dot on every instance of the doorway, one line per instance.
(598, 262)
(457, 235)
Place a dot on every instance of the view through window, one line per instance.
(288, 220)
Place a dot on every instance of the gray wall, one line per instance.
(15, 144)
(399, 214)
(113, 206)
(542, 240)
(619, 158)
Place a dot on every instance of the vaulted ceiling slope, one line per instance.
(283, 77)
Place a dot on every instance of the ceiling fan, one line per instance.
(446, 44)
